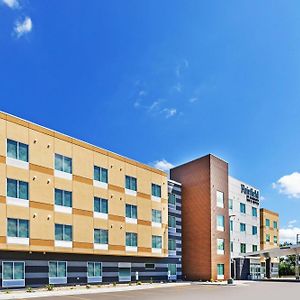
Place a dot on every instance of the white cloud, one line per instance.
(142, 93)
(13, 4)
(154, 106)
(23, 27)
(291, 223)
(193, 99)
(178, 87)
(163, 165)
(289, 185)
(169, 112)
(288, 234)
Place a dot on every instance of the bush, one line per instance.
(88, 286)
(230, 281)
(29, 290)
(49, 287)
(114, 284)
(139, 283)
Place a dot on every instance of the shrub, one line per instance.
(49, 287)
(29, 290)
(114, 284)
(139, 283)
(88, 286)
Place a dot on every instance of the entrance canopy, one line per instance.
(275, 252)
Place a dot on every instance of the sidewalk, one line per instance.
(67, 291)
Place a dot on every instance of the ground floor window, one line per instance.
(13, 274)
(124, 274)
(94, 272)
(172, 270)
(220, 271)
(57, 272)
(149, 266)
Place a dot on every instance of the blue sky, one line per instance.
(165, 80)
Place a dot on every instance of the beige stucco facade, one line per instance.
(43, 144)
(269, 229)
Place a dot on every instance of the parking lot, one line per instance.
(245, 290)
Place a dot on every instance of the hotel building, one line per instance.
(73, 213)
(269, 238)
(244, 228)
(205, 218)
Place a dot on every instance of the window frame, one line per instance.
(101, 200)
(218, 203)
(156, 240)
(18, 144)
(101, 230)
(14, 282)
(244, 210)
(132, 183)
(131, 208)
(63, 157)
(101, 170)
(63, 232)
(173, 242)
(18, 228)
(95, 278)
(132, 237)
(156, 214)
(17, 182)
(58, 279)
(242, 225)
(170, 217)
(254, 209)
(171, 195)
(64, 192)
(156, 190)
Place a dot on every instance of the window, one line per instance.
(172, 221)
(100, 174)
(254, 212)
(172, 199)
(220, 271)
(124, 274)
(156, 190)
(100, 205)
(172, 269)
(254, 248)
(94, 269)
(13, 274)
(267, 223)
(149, 266)
(220, 199)
(156, 242)
(220, 223)
(243, 208)
(275, 224)
(242, 227)
(131, 211)
(220, 246)
(17, 150)
(243, 248)
(131, 239)
(63, 198)
(230, 204)
(231, 246)
(172, 244)
(231, 225)
(17, 189)
(101, 236)
(130, 183)
(254, 230)
(17, 228)
(275, 239)
(63, 232)
(63, 163)
(57, 269)
(156, 216)
(267, 238)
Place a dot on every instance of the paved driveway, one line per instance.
(245, 291)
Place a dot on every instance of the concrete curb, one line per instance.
(40, 294)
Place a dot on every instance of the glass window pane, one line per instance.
(61, 269)
(90, 269)
(103, 175)
(7, 270)
(23, 152)
(19, 270)
(127, 182)
(58, 162)
(12, 149)
(23, 190)
(128, 211)
(12, 188)
(134, 212)
(104, 206)
(58, 197)
(103, 237)
(96, 173)
(97, 236)
(98, 271)
(52, 269)
(67, 233)
(67, 165)
(67, 199)
(12, 225)
(23, 229)
(96, 204)
(128, 242)
(58, 232)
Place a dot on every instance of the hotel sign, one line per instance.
(251, 194)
